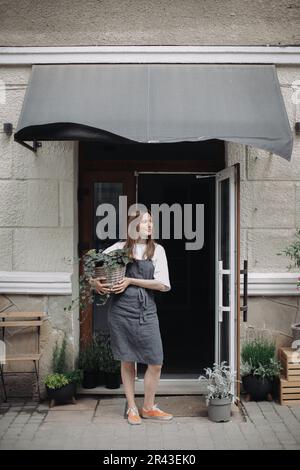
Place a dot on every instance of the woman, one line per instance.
(132, 317)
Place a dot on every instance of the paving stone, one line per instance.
(84, 404)
(296, 412)
(69, 416)
(291, 447)
(100, 424)
(285, 438)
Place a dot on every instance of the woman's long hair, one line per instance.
(130, 242)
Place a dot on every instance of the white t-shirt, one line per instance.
(161, 271)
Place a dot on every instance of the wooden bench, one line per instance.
(22, 320)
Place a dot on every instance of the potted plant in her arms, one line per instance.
(260, 369)
(110, 366)
(219, 380)
(61, 384)
(96, 264)
(293, 252)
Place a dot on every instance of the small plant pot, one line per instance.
(112, 275)
(295, 331)
(219, 409)
(101, 377)
(275, 392)
(257, 387)
(63, 394)
(113, 380)
(90, 378)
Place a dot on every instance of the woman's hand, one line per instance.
(121, 285)
(101, 287)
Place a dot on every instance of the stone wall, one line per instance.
(271, 317)
(149, 22)
(38, 226)
(270, 192)
(270, 214)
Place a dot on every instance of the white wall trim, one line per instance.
(59, 283)
(272, 284)
(39, 283)
(150, 54)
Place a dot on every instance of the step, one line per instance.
(165, 387)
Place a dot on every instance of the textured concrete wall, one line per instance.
(38, 225)
(151, 22)
(271, 317)
(36, 207)
(270, 193)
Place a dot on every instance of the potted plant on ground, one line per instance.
(61, 384)
(219, 380)
(91, 362)
(293, 252)
(260, 369)
(88, 364)
(100, 345)
(109, 365)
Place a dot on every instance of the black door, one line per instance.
(187, 312)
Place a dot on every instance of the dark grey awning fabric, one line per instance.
(156, 103)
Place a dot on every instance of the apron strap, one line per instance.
(143, 298)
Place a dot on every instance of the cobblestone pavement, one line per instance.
(99, 424)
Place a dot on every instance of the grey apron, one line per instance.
(133, 321)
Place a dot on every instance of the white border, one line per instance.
(59, 283)
(271, 284)
(150, 54)
(42, 283)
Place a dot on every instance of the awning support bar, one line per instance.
(33, 148)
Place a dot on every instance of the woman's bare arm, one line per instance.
(147, 283)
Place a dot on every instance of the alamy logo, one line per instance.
(186, 222)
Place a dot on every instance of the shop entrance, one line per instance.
(186, 312)
(183, 173)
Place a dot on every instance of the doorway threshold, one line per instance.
(165, 387)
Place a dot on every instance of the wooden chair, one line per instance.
(22, 320)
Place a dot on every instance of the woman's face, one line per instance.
(146, 225)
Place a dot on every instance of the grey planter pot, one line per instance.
(219, 410)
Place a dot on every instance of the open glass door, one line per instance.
(96, 188)
(227, 268)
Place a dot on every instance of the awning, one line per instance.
(155, 103)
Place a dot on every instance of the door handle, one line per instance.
(221, 307)
(220, 291)
(244, 307)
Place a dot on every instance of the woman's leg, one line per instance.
(151, 380)
(128, 377)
